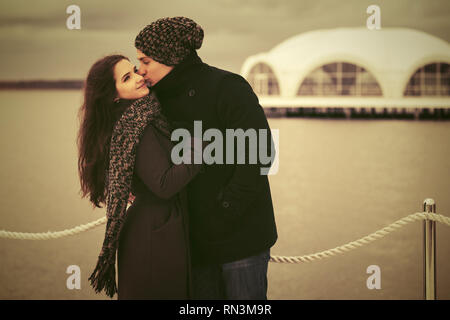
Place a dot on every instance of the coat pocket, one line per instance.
(169, 260)
(161, 216)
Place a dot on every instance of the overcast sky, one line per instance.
(36, 44)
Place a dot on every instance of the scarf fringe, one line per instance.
(104, 277)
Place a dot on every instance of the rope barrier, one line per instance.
(365, 240)
(51, 235)
(278, 259)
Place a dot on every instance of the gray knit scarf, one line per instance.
(126, 135)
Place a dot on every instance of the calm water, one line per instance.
(337, 182)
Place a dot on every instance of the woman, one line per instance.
(124, 145)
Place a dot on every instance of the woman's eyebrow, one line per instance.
(134, 68)
(125, 75)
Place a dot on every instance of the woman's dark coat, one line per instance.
(153, 254)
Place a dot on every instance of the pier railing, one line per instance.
(348, 107)
(428, 216)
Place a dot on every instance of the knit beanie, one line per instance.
(170, 40)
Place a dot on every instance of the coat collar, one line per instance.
(173, 81)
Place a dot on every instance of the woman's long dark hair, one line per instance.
(97, 116)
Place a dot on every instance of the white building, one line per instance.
(353, 67)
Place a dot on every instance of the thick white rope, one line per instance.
(280, 259)
(51, 235)
(365, 240)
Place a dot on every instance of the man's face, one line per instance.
(151, 70)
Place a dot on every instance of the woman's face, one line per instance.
(129, 84)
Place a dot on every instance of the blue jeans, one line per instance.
(244, 279)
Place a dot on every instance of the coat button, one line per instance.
(191, 93)
(225, 204)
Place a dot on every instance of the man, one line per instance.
(232, 224)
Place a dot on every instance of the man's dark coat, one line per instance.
(230, 205)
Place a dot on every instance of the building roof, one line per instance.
(391, 55)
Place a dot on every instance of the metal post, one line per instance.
(429, 252)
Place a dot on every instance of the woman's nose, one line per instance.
(139, 78)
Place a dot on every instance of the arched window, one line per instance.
(263, 80)
(430, 80)
(339, 79)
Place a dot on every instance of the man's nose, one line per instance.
(141, 71)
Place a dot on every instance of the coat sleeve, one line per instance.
(239, 108)
(155, 168)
